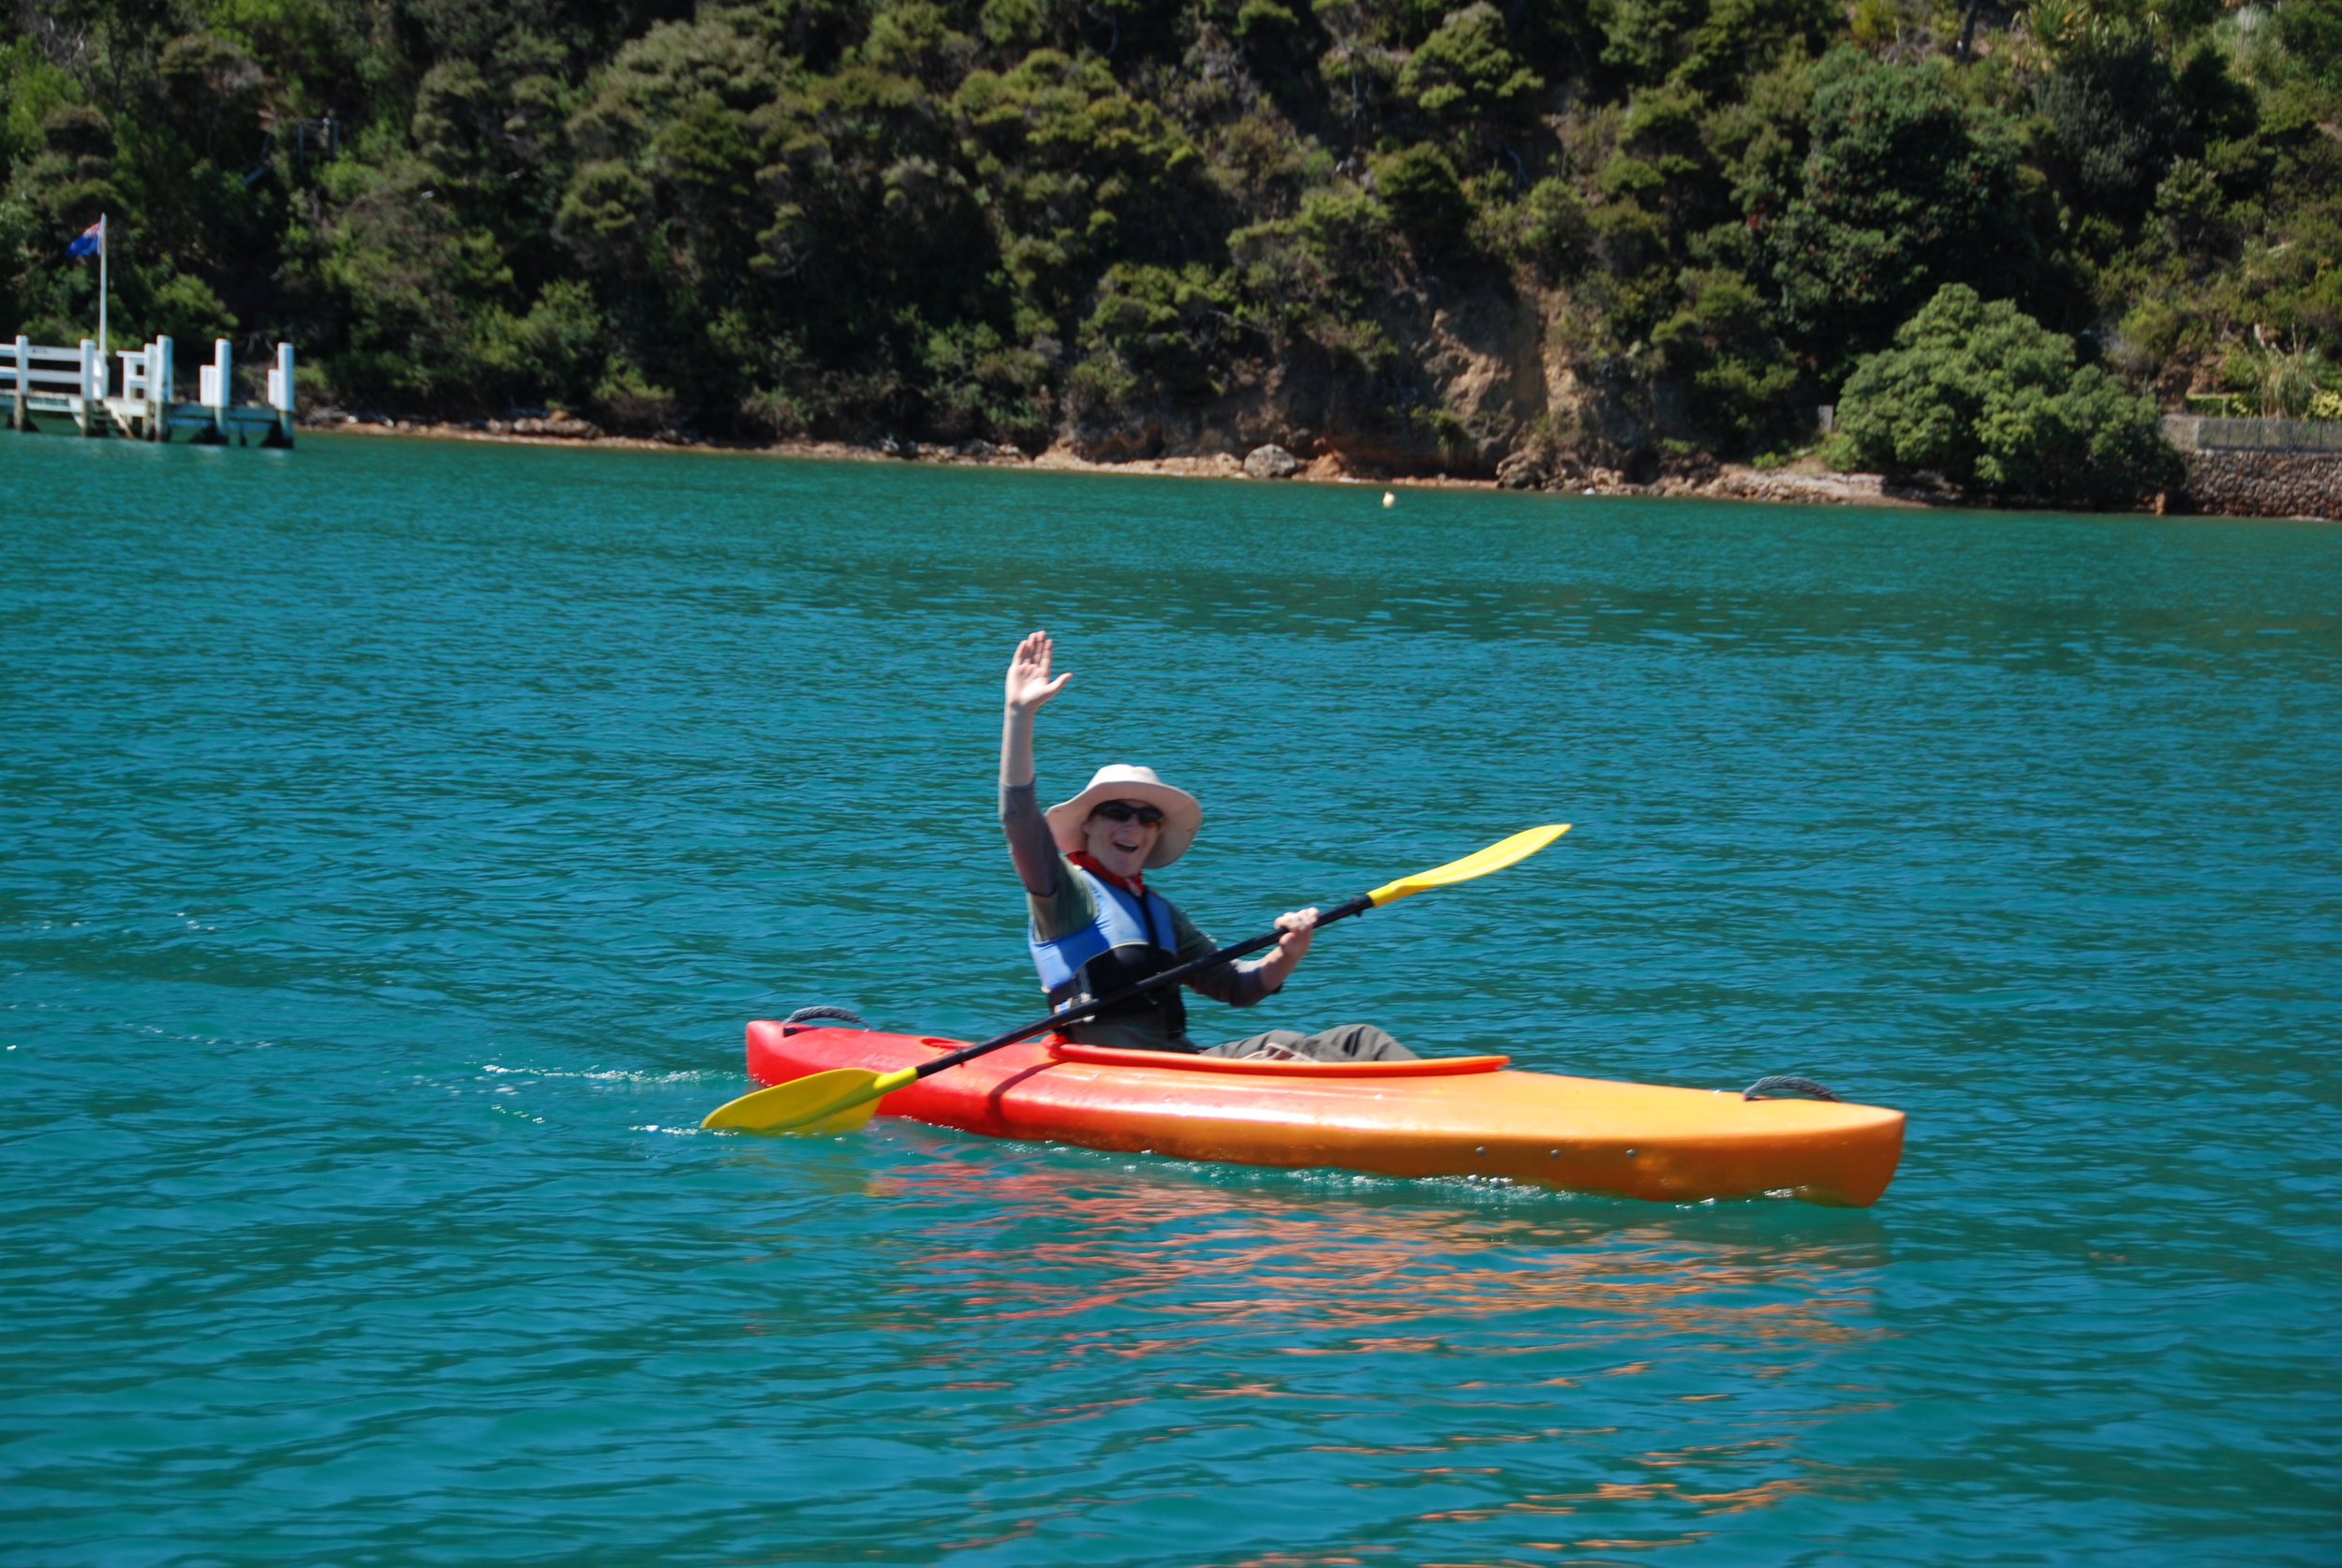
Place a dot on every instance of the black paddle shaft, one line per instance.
(1152, 983)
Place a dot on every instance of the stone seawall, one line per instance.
(2265, 483)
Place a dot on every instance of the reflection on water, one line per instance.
(1187, 1251)
(1553, 1356)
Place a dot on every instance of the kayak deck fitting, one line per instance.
(1456, 1115)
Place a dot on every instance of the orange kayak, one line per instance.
(1456, 1115)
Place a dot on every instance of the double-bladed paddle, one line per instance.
(844, 1097)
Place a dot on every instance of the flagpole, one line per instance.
(104, 372)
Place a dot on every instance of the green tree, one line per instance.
(2311, 31)
(422, 286)
(2114, 127)
(1426, 200)
(1724, 340)
(1905, 188)
(1464, 73)
(1179, 327)
(1989, 399)
(1082, 174)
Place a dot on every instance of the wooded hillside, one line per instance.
(1626, 231)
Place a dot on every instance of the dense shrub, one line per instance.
(1464, 73)
(1988, 398)
(2312, 31)
(1426, 200)
(1907, 187)
(2114, 127)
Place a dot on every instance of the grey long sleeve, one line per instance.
(1237, 984)
(1028, 842)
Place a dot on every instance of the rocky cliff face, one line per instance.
(1481, 384)
(1473, 379)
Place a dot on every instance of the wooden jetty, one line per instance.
(79, 385)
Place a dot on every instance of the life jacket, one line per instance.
(1130, 939)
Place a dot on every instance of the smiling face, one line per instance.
(1122, 846)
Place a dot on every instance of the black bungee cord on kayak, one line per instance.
(842, 1014)
(1784, 1083)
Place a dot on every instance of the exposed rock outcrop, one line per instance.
(1468, 377)
(564, 425)
(1523, 470)
(1753, 485)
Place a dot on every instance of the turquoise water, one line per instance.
(397, 835)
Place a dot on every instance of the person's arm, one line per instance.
(1241, 985)
(1029, 845)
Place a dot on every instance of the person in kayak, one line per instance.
(1096, 926)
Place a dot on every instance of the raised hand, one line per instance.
(1029, 682)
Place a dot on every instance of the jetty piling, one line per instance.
(78, 384)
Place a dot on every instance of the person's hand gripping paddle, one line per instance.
(844, 1099)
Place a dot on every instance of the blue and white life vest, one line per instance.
(1131, 938)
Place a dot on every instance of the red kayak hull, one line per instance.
(1458, 1117)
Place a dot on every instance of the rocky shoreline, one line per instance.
(1805, 483)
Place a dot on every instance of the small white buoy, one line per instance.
(1391, 498)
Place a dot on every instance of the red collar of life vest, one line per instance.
(1088, 863)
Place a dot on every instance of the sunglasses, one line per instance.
(1129, 810)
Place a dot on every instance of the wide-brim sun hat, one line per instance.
(1182, 813)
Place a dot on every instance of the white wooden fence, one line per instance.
(139, 397)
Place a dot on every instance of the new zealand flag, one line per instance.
(92, 239)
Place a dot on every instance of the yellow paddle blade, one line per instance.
(1497, 856)
(839, 1101)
